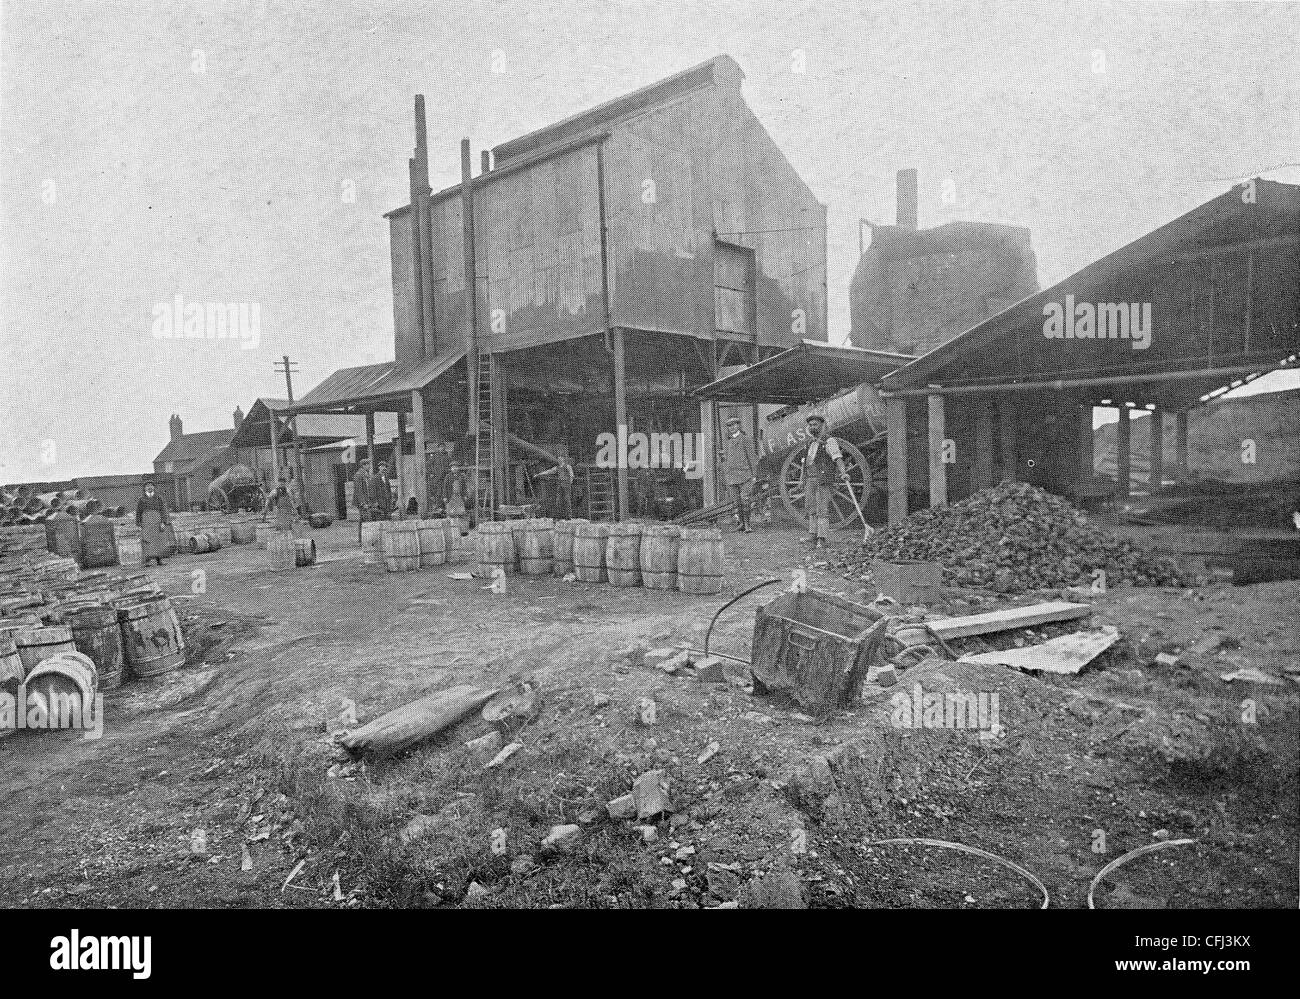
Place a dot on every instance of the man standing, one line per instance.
(361, 491)
(739, 470)
(823, 463)
(563, 472)
(381, 493)
(151, 517)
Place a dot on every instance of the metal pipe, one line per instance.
(743, 593)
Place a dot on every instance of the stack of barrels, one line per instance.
(401, 545)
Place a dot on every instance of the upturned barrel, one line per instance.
(402, 546)
(452, 542)
(433, 543)
(208, 541)
(282, 550)
(564, 530)
(63, 535)
(304, 552)
(537, 556)
(129, 551)
(699, 560)
(623, 555)
(152, 640)
(659, 549)
(57, 679)
(243, 533)
(36, 644)
(589, 552)
(98, 545)
(494, 548)
(517, 528)
(96, 634)
(372, 539)
(264, 534)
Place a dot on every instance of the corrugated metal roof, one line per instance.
(810, 371)
(367, 386)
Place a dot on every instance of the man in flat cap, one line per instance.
(823, 464)
(739, 470)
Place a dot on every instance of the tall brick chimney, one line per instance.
(238, 417)
(175, 424)
(906, 211)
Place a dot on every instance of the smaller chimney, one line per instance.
(906, 217)
(419, 163)
(175, 424)
(485, 161)
(239, 417)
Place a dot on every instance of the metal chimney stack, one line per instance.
(907, 200)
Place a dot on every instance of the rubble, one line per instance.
(1012, 538)
(623, 807)
(709, 670)
(562, 839)
(650, 792)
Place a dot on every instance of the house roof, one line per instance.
(193, 449)
(375, 387)
(255, 430)
(1010, 347)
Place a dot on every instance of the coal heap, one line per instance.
(1016, 537)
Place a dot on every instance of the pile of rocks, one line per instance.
(1015, 537)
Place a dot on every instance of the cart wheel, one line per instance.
(842, 512)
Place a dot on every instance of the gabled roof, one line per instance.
(194, 448)
(255, 430)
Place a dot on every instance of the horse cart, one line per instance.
(856, 418)
(236, 489)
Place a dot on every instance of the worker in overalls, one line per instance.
(823, 465)
(739, 470)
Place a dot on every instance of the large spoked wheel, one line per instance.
(842, 513)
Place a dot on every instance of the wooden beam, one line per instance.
(1243, 247)
(471, 303)
(275, 453)
(1180, 444)
(421, 446)
(1006, 620)
(708, 411)
(1123, 452)
(620, 416)
(1157, 451)
(896, 445)
(370, 441)
(1009, 437)
(938, 471)
(983, 467)
(1087, 451)
(397, 460)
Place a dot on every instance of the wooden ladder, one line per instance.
(600, 494)
(484, 458)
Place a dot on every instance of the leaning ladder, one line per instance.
(484, 456)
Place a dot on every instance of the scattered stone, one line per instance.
(709, 670)
(650, 792)
(886, 676)
(655, 658)
(486, 746)
(622, 808)
(756, 716)
(677, 820)
(1161, 834)
(419, 827)
(710, 751)
(589, 816)
(679, 884)
(684, 852)
(504, 755)
(599, 700)
(649, 834)
(476, 890)
(1167, 659)
(562, 839)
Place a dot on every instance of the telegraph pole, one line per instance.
(288, 367)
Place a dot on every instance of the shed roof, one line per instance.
(810, 371)
(375, 387)
(315, 428)
(1010, 346)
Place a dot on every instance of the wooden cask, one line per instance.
(453, 543)
(242, 533)
(402, 546)
(152, 640)
(659, 550)
(282, 551)
(699, 560)
(537, 554)
(564, 530)
(589, 552)
(96, 634)
(433, 543)
(623, 555)
(35, 644)
(304, 552)
(494, 548)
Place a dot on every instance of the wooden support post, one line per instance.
(1180, 444)
(397, 459)
(1087, 455)
(275, 453)
(1157, 452)
(983, 471)
(1009, 431)
(620, 417)
(471, 303)
(705, 459)
(421, 464)
(896, 444)
(1123, 452)
(370, 441)
(938, 471)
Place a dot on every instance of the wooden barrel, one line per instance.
(223, 535)
(304, 552)
(129, 551)
(12, 670)
(243, 533)
(433, 543)
(96, 634)
(282, 550)
(319, 520)
(36, 644)
(152, 640)
(59, 677)
(98, 546)
(201, 544)
(63, 535)
(517, 528)
(659, 545)
(452, 542)
(589, 552)
(264, 533)
(564, 545)
(372, 539)
(623, 555)
(494, 547)
(402, 546)
(537, 552)
(699, 560)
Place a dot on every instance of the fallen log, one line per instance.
(411, 723)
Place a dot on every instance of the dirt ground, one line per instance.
(212, 785)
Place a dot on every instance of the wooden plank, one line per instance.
(938, 471)
(1064, 656)
(620, 417)
(421, 465)
(896, 423)
(1009, 619)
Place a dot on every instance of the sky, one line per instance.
(245, 151)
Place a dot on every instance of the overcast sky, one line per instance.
(207, 150)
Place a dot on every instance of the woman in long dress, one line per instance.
(281, 502)
(152, 518)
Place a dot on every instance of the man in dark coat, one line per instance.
(152, 518)
(361, 491)
(381, 493)
(739, 470)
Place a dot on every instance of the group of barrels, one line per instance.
(657, 556)
(287, 551)
(407, 545)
